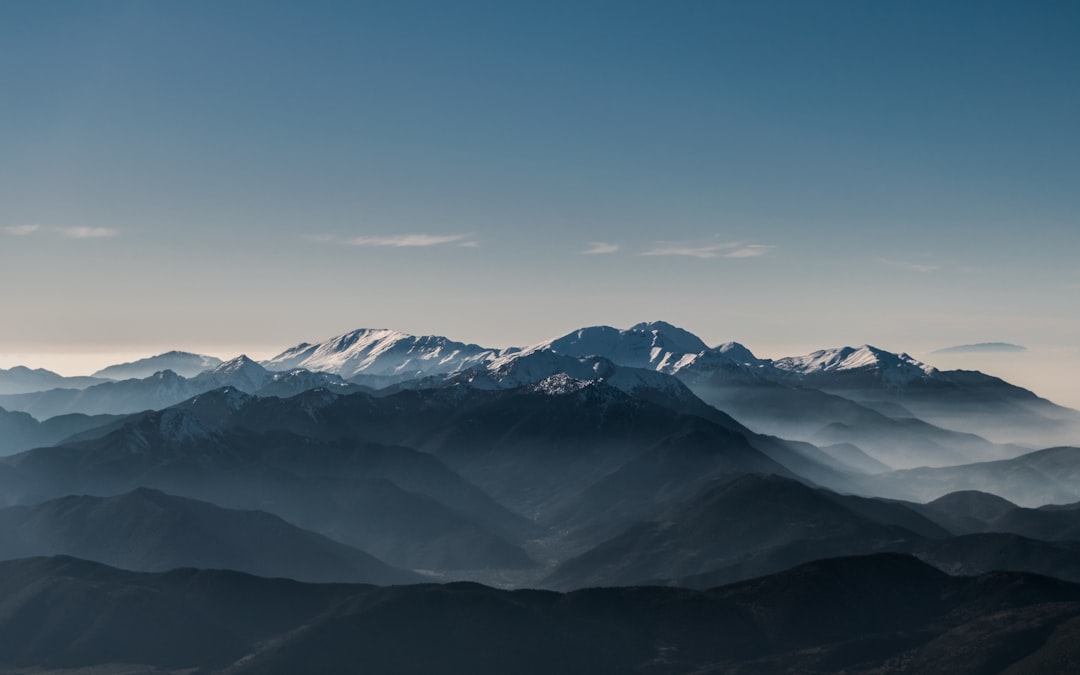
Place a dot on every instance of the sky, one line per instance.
(231, 176)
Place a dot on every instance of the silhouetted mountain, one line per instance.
(898, 440)
(404, 506)
(884, 613)
(533, 448)
(972, 511)
(185, 364)
(972, 554)
(965, 511)
(20, 431)
(1050, 476)
(148, 530)
(750, 526)
(21, 380)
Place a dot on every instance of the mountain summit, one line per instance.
(387, 354)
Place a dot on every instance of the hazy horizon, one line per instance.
(1047, 372)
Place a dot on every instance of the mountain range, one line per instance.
(604, 458)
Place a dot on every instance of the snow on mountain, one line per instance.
(386, 353)
(177, 426)
(241, 372)
(548, 372)
(661, 347)
(181, 363)
(893, 369)
(297, 380)
(656, 346)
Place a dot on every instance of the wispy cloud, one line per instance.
(910, 266)
(21, 230)
(69, 232)
(407, 240)
(87, 232)
(731, 249)
(398, 240)
(748, 251)
(599, 248)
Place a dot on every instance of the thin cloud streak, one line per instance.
(735, 249)
(87, 232)
(21, 230)
(749, 251)
(922, 268)
(411, 240)
(599, 248)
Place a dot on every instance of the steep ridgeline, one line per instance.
(147, 530)
(815, 618)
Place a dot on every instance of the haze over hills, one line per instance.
(21, 380)
(836, 386)
(150, 531)
(165, 388)
(184, 364)
(604, 457)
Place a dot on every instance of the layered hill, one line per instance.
(148, 530)
(403, 506)
(66, 613)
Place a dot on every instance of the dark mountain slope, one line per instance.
(403, 506)
(1050, 476)
(20, 431)
(753, 525)
(62, 612)
(971, 511)
(534, 450)
(151, 531)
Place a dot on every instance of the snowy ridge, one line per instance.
(656, 346)
(176, 426)
(547, 372)
(241, 372)
(894, 369)
(383, 352)
(660, 347)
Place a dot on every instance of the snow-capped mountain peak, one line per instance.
(241, 372)
(894, 369)
(735, 352)
(389, 354)
(674, 337)
(656, 346)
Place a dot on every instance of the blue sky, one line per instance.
(791, 175)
